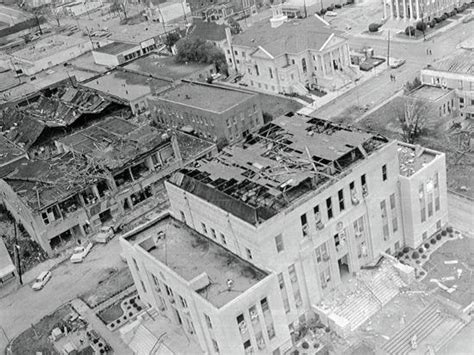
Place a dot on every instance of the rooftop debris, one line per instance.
(276, 165)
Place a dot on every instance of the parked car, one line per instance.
(41, 280)
(80, 253)
(104, 235)
(396, 63)
(331, 13)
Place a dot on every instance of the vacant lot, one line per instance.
(277, 106)
(35, 340)
(438, 136)
(113, 283)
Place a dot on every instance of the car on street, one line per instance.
(396, 63)
(331, 13)
(80, 253)
(104, 235)
(41, 280)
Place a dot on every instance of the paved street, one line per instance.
(380, 87)
(460, 212)
(20, 309)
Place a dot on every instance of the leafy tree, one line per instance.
(410, 86)
(374, 27)
(200, 51)
(234, 26)
(171, 39)
(120, 6)
(412, 117)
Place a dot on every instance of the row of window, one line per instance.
(295, 287)
(431, 195)
(385, 217)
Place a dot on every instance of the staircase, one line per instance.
(300, 89)
(375, 288)
(422, 325)
(143, 341)
(358, 307)
(384, 285)
(455, 326)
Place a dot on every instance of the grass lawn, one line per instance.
(384, 121)
(458, 249)
(111, 313)
(113, 283)
(277, 106)
(28, 343)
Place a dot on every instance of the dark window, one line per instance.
(340, 195)
(329, 207)
(384, 172)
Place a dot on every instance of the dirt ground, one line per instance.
(277, 106)
(461, 250)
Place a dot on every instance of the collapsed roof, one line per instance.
(275, 166)
(114, 142)
(59, 107)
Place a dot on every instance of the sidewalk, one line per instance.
(118, 346)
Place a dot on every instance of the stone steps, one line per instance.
(358, 308)
(422, 325)
(457, 326)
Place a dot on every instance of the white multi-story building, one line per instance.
(311, 202)
(416, 10)
(289, 56)
(454, 73)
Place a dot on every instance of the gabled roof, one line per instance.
(209, 31)
(291, 37)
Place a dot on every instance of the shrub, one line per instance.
(421, 250)
(421, 26)
(338, 6)
(330, 8)
(418, 261)
(438, 236)
(400, 254)
(449, 229)
(323, 11)
(406, 250)
(427, 245)
(438, 19)
(374, 27)
(424, 256)
(432, 23)
(422, 273)
(453, 13)
(410, 31)
(447, 14)
(305, 345)
(444, 232)
(415, 255)
(433, 241)
(139, 308)
(444, 17)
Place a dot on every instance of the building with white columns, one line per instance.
(417, 10)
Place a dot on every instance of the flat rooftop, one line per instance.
(8, 151)
(165, 67)
(127, 86)
(205, 97)
(191, 255)
(48, 46)
(461, 62)
(413, 158)
(115, 48)
(283, 161)
(428, 92)
(115, 141)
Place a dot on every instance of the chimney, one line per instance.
(278, 18)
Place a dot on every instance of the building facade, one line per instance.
(116, 53)
(454, 72)
(222, 302)
(271, 59)
(419, 10)
(313, 221)
(47, 53)
(69, 198)
(210, 10)
(219, 114)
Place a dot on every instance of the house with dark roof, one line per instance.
(209, 31)
(288, 56)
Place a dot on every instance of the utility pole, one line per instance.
(305, 10)
(388, 49)
(16, 250)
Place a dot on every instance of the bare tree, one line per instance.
(412, 116)
(120, 6)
